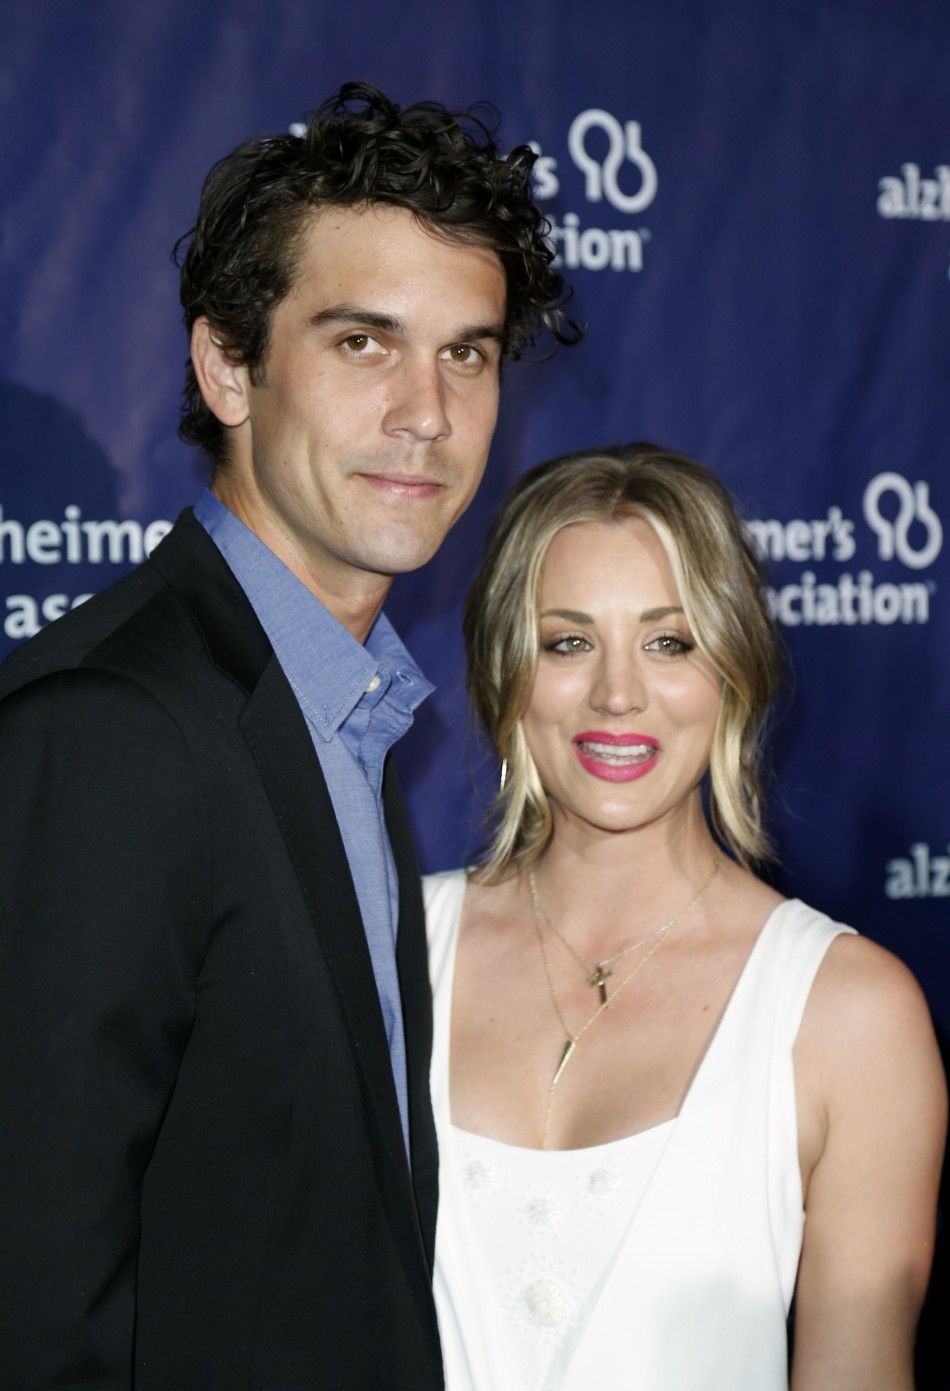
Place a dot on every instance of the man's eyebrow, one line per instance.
(388, 323)
(353, 314)
(478, 332)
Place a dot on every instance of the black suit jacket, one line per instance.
(203, 1181)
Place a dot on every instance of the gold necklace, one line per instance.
(572, 1040)
(596, 973)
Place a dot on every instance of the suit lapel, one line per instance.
(278, 737)
(416, 994)
(192, 564)
(279, 741)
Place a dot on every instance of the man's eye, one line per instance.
(359, 344)
(465, 355)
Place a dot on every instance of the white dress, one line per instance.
(662, 1262)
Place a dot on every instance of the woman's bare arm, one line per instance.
(868, 1067)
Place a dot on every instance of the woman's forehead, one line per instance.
(615, 558)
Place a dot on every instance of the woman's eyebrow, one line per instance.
(571, 615)
(648, 615)
(653, 615)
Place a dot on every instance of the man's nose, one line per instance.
(418, 404)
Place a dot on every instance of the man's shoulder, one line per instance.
(137, 624)
(75, 638)
(178, 613)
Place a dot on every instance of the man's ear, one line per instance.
(223, 383)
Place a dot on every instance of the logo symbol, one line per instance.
(601, 175)
(913, 505)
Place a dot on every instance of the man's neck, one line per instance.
(354, 598)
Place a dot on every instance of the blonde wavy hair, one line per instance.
(722, 594)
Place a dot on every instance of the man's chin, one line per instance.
(403, 560)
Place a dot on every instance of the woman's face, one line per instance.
(623, 708)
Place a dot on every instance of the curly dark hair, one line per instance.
(239, 260)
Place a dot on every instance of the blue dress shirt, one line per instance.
(357, 702)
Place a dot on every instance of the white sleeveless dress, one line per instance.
(662, 1262)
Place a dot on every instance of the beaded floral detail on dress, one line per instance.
(549, 1223)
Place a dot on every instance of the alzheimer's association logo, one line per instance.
(617, 171)
(914, 534)
(602, 174)
(907, 532)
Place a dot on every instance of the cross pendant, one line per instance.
(599, 980)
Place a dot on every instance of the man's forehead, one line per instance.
(384, 260)
(373, 234)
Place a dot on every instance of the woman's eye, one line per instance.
(670, 645)
(567, 646)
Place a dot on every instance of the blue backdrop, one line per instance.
(752, 203)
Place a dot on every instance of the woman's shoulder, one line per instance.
(869, 993)
(867, 1021)
(442, 896)
(854, 993)
(444, 882)
(808, 931)
(872, 1119)
(454, 894)
(795, 933)
(862, 993)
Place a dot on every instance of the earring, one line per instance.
(503, 775)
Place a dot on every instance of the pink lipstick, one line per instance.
(616, 757)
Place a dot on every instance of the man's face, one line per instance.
(369, 435)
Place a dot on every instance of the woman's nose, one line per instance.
(619, 686)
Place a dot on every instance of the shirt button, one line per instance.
(373, 685)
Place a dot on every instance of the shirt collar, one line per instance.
(326, 666)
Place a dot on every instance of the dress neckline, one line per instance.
(582, 1153)
(700, 1068)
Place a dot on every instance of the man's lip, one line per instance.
(600, 736)
(404, 484)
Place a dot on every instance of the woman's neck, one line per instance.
(604, 884)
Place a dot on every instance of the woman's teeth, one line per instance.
(617, 753)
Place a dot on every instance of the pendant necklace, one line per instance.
(596, 973)
(597, 978)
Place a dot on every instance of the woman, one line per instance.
(648, 1066)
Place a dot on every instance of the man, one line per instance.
(217, 1162)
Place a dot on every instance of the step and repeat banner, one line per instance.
(752, 204)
